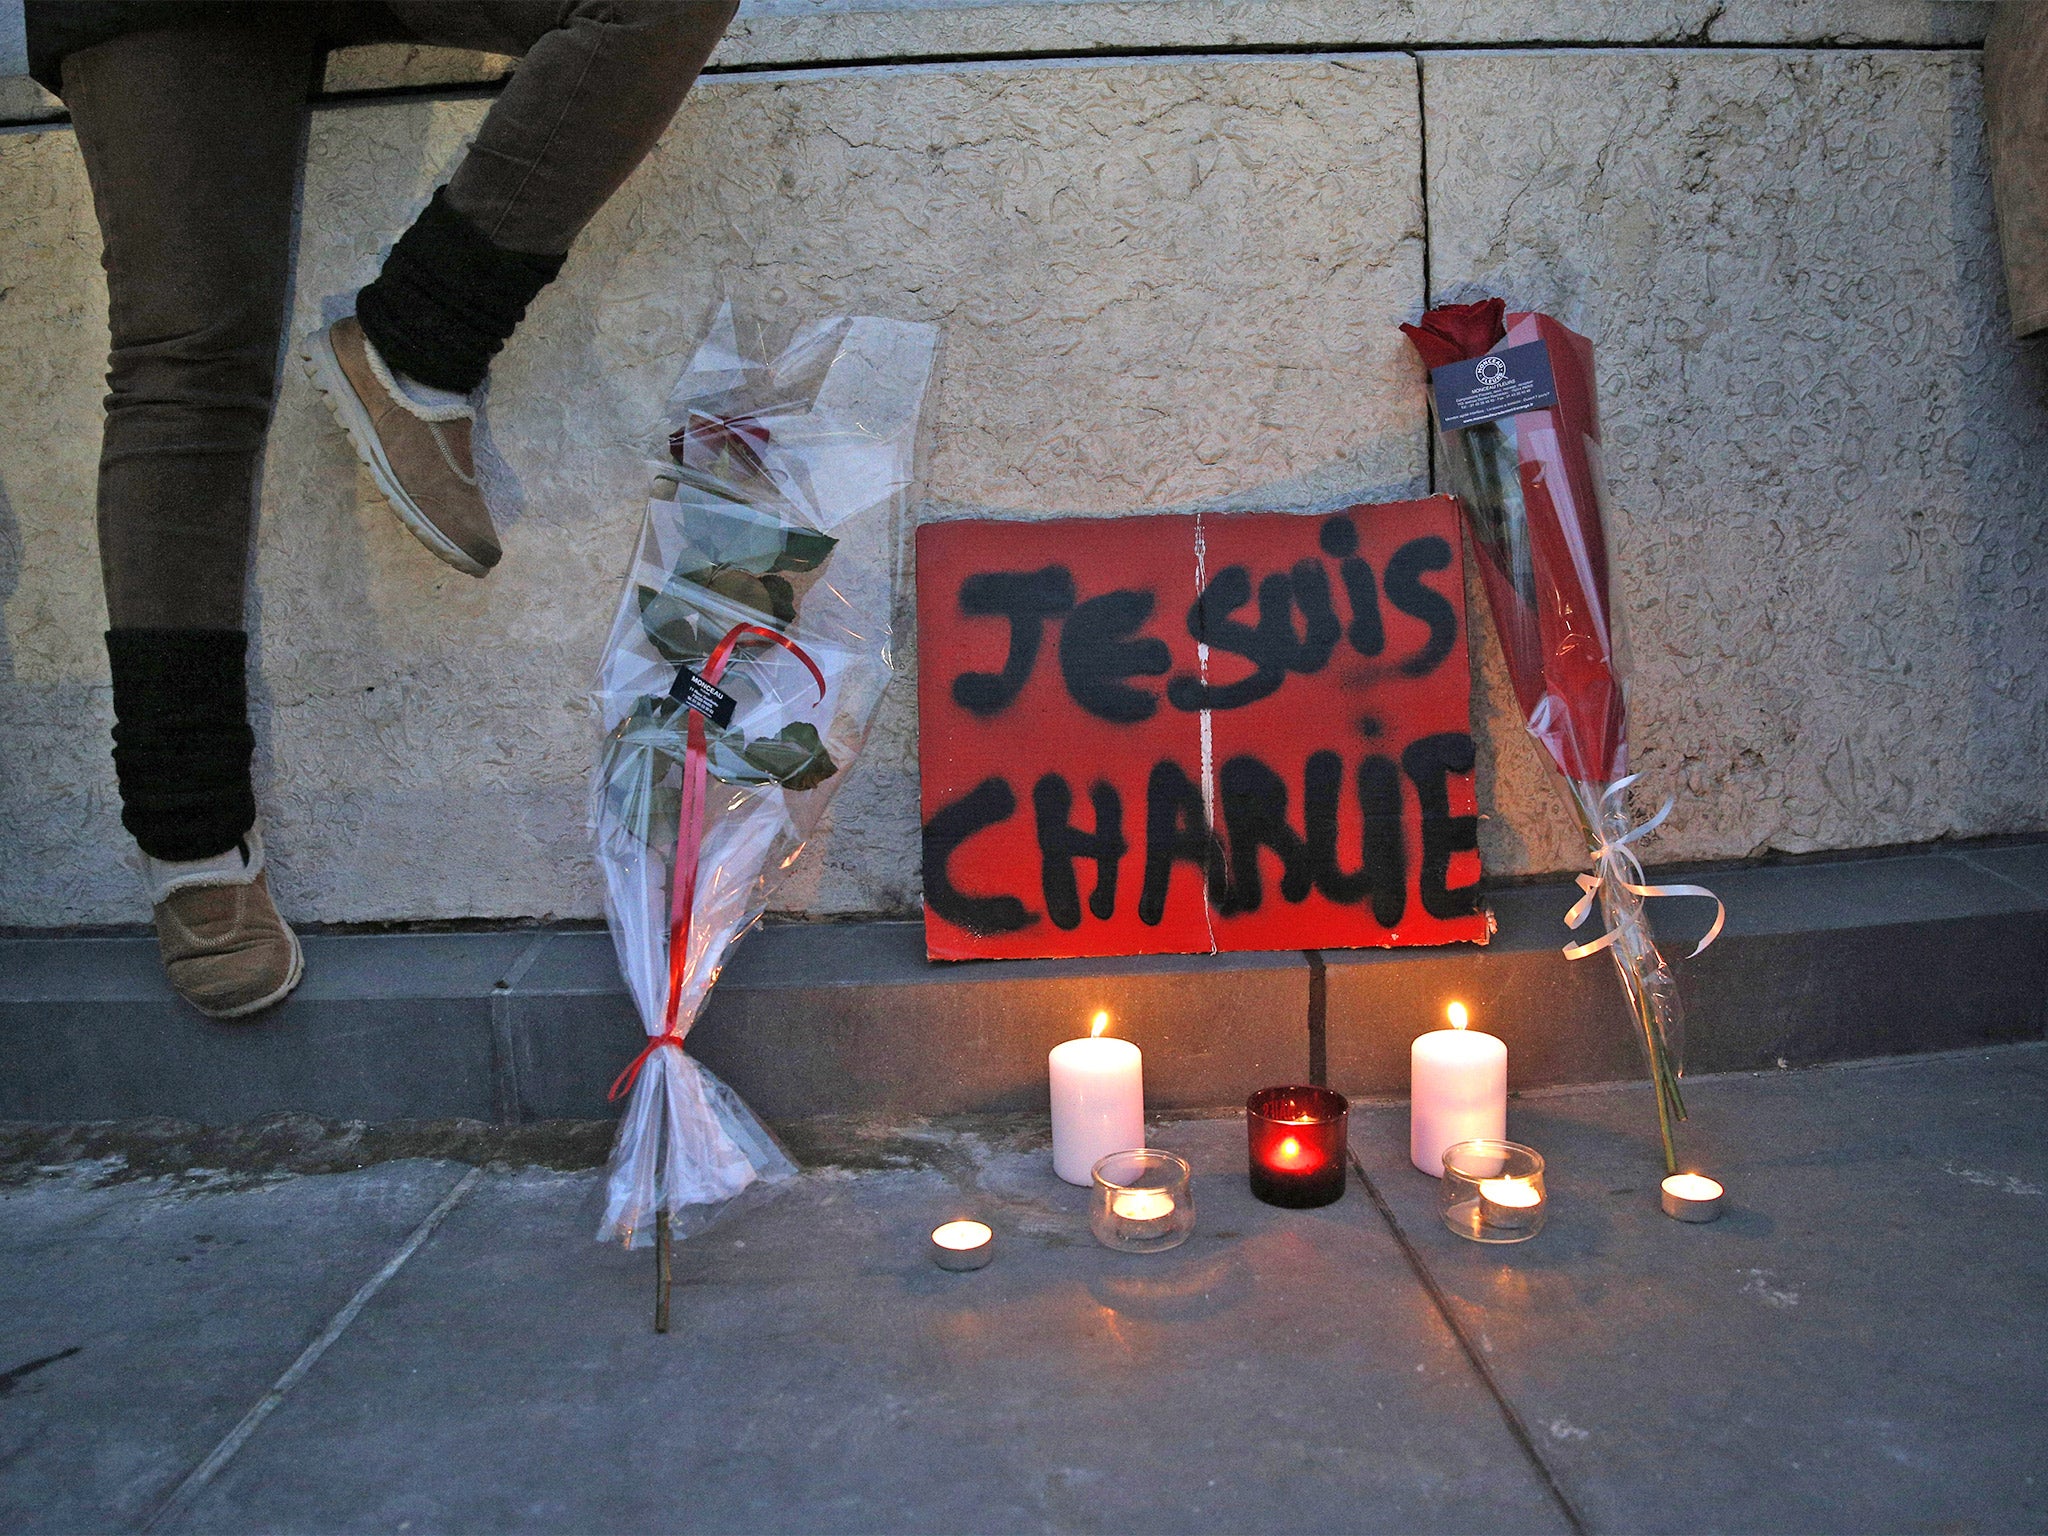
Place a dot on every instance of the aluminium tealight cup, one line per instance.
(963, 1245)
(1691, 1197)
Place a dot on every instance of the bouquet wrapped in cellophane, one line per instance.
(749, 650)
(1519, 422)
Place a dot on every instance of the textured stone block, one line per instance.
(1161, 284)
(1164, 284)
(1827, 455)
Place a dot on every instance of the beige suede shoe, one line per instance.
(224, 948)
(414, 442)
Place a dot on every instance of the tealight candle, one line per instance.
(1144, 1202)
(1508, 1203)
(1692, 1197)
(1140, 1204)
(1098, 1101)
(1458, 1091)
(963, 1245)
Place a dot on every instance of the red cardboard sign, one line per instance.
(1191, 733)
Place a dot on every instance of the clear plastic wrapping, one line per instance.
(1534, 494)
(765, 568)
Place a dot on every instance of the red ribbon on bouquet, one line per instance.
(690, 842)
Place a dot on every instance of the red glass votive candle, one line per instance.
(1297, 1140)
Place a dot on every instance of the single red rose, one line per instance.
(1456, 333)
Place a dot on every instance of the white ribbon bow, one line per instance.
(1620, 849)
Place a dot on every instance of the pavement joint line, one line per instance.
(1318, 1019)
(1473, 1358)
(508, 1093)
(199, 1477)
(1997, 874)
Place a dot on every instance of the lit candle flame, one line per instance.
(1458, 1016)
(1101, 1023)
(1292, 1157)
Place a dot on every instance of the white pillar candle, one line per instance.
(1457, 1091)
(1098, 1102)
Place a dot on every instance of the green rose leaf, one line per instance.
(793, 757)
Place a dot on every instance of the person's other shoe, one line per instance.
(224, 948)
(414, 441)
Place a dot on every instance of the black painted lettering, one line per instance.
(1320, 629)
(1429, 764)
(1027, 599)
(1210, 623)
(1255, 816)
(1176, 831)
(1407, 593)
(1273, 648)
(990, 802)
(1382, 872)
(1060, 842)
(1097, 656)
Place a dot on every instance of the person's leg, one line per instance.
(599, 81)
(190, 138)
(2016, 123)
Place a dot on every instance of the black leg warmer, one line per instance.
(447, 299)
(181, 739)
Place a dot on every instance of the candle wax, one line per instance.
(1098, 1103)
(1458, 1091)
(1693, 1186)
(1510, 1192)
(1141, 1204)
(961, 1234)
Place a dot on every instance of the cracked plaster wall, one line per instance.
(1163, 284)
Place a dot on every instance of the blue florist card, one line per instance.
(1499, 384)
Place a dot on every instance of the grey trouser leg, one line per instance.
(190, 138)
(190, 134)
(598, 83)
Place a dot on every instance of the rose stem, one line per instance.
(662, 1245)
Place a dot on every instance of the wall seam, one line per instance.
(1428, 270)
(486, 89)
(508, 1090)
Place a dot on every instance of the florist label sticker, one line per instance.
(1502, 383)
(1184, 734)
(709, 700)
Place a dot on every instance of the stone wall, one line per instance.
(1165, 282)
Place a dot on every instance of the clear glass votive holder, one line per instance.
(1142, 1202)
(1493, 1191)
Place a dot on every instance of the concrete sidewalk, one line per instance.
(1858, 1345)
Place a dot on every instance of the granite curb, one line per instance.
(1840, 960)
